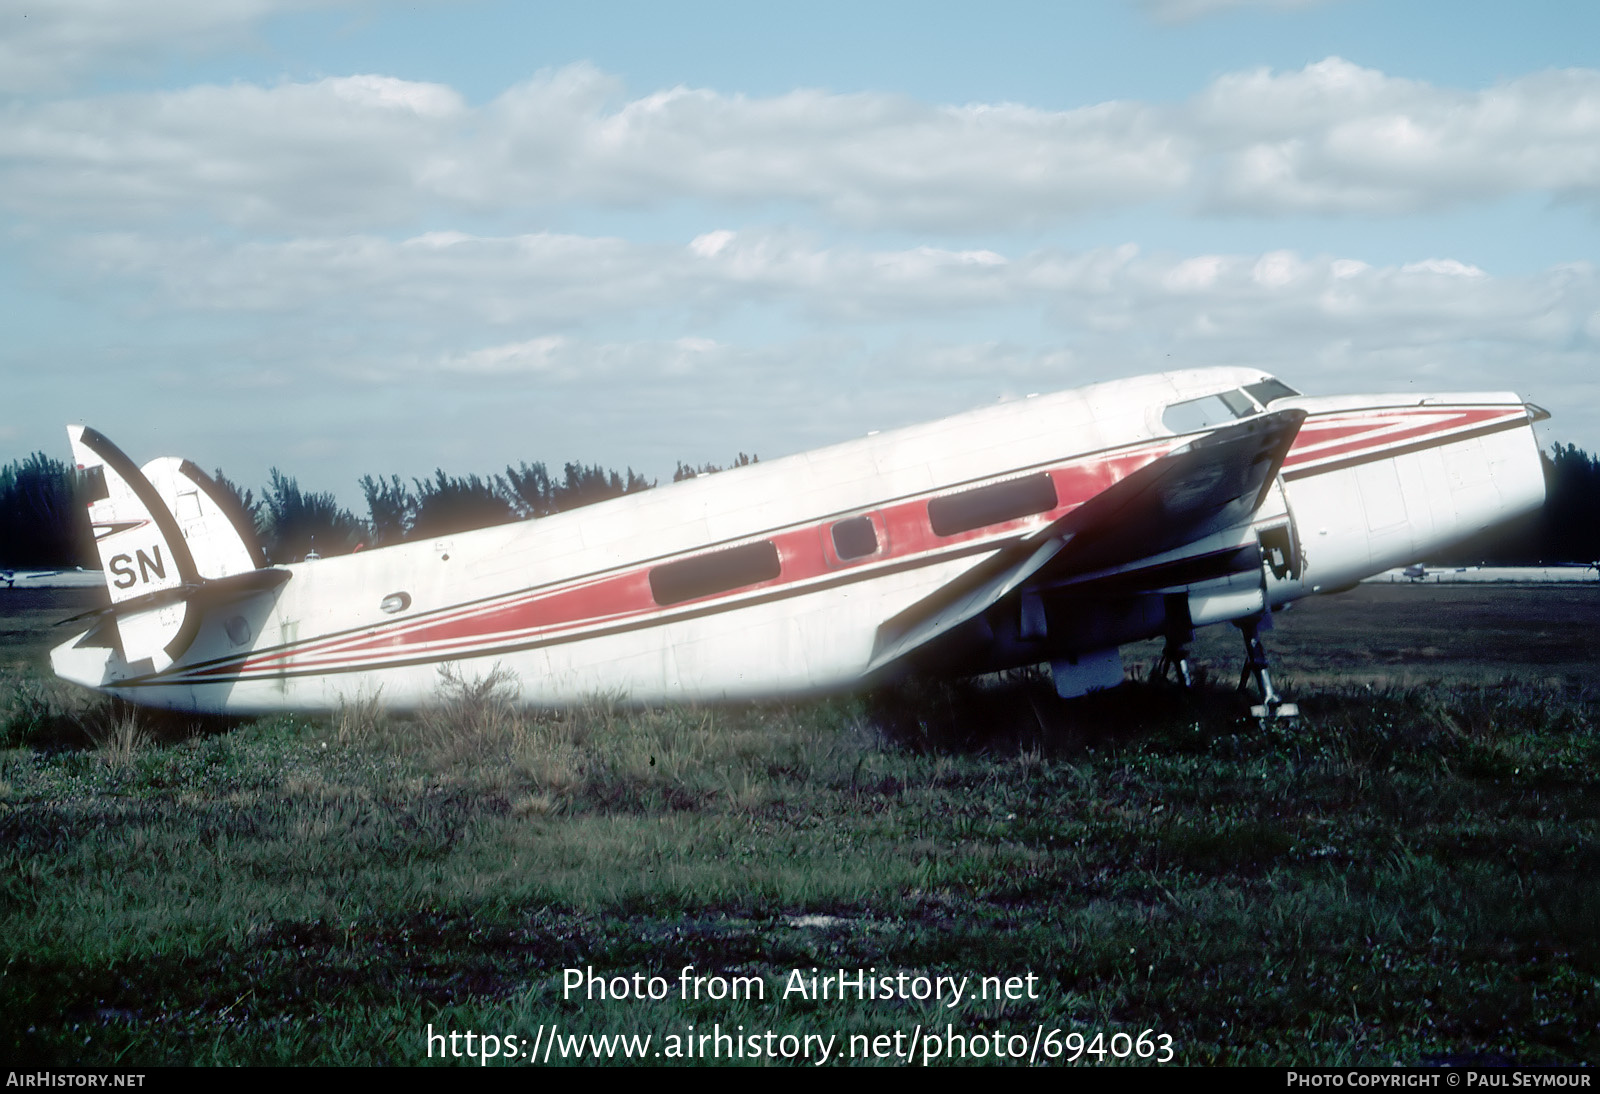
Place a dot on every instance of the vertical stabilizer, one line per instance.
(147, 562)
(219, 544)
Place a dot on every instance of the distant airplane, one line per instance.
(75, 578)
(1054, 528)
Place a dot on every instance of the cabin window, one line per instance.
(717, 572)
(994, 504)
(1268, 390)
(854, 538)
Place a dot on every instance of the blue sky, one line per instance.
(344, 238)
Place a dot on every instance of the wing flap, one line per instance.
(961, 599)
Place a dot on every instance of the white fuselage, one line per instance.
(607, 600)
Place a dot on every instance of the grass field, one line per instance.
(1407, 874)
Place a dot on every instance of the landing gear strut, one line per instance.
(1174, 660)
(1173, 664)
(1255, 664)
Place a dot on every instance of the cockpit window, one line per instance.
(1238, 403)
(1207, 412)
(1268, 390)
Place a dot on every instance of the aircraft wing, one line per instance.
(1214, 482)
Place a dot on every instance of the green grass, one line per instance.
(1404, 874)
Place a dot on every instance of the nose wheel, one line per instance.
(1255, 664)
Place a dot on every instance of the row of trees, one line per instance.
(42, 522)
(42, 525)
(1569, 528)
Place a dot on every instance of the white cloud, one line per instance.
(571, 280)
(379, 152)
(711, 244)
(546, 296)
(1335, 137)
(345, 151)
(50, 45)
(550, 277)
(566, 359)
(370, 149)
(376, 151)
(1449, 267)
(1195, 274)
(538, 355)
(1278, 270)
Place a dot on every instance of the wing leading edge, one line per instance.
(1212, 483)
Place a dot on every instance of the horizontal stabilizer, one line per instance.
(213, 593)
(1209, 484)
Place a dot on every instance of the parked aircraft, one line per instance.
(1049, 529)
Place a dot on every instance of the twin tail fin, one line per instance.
(163, 533)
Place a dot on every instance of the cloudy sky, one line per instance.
(351, 237)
